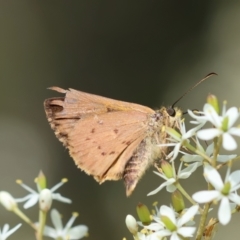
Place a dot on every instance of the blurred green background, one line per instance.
(147, 52)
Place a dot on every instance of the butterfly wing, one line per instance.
(100, 133)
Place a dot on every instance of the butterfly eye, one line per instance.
(171, 112)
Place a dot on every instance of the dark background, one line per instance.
(148, 52)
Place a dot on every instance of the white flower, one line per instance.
(176, 139)
(142, 236)
(33, 197)
(173, 226)
(131, 224)
(170, 182)
(5, 233)
(7, 200)
(224, 191)
(223, 126)
(209, 152)
(66, 233)
(202, 116)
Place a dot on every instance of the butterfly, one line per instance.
(110, 139)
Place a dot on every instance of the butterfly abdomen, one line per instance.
(140, 161)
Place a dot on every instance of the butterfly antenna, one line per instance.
(191, 88)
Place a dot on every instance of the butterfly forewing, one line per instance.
(100, 133)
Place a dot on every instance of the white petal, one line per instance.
(161, 175)
(213, 176)
(168, 212)
(225, 158)
(50, 232)
(186, 172)
(212, 115)
(208, 134)
(228, 142)
(32, 201)
(28, 188)
(174, 236)
(71, 221)
(205, 196)
(78, 232)
(7, 234)
(161, 187)
(59, 197)
(232, 114)
(234, 178)
(171, 188)
(200, 118)
(154, 227)
(235, 198)
(190, 133)
(167, 144)
(56, 220)
(58, 185)
(209, 150)
(198, 122)
(186, 231)
(191, 158)
(233, 206)
(5, 229)
(153, 236)
(164, 232)
(234, 131)
(224, 211)
(176, 151)
(188, 215)
(23, 199)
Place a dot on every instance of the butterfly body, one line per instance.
(107, 138)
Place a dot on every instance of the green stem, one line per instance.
(193, 149)
(18, 212)
(203, 221)
(42, 222)
(184, 193)
(217, 146)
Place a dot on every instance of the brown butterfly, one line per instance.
(109, 139)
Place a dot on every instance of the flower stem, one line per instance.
(184, 193)
(203, 221)
(18, 212)
(42, 222)
(193, 149)
(217, 145)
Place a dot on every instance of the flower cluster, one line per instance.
(44, 197)
(166, 222)
(172, 223)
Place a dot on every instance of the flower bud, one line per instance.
(168, 223)
(7, 201)
(41, 181)
(167, 169)
(212, 100)
(173, 132)
(143, 214)
(45, 200)
(178, 201)
(131, 224)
